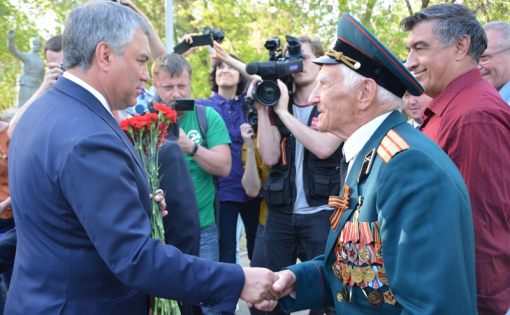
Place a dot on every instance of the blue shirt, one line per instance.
(505, 92)
(233, 113)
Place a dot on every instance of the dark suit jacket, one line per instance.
(182, 227)
(83, 225)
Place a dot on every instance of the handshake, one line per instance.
(262, 288)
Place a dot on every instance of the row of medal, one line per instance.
(368, 276)
(360, 243)
(359, 262)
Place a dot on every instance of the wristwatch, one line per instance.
(194, 150)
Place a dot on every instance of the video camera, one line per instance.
(281, 67)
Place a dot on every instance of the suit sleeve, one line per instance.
(98, 180)
(182, 228)
(427, 234)
(312, 288)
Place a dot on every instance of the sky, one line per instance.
(46, 23)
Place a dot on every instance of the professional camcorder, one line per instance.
(281, 67)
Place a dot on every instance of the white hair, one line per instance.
(352, 78)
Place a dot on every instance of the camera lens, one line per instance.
(267, 93)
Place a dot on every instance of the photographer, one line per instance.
(305, 169)
(228, 99)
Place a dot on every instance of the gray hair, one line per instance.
(503, 28)
(96, 22)
(352, 78)
(173, 64)
(453, 21)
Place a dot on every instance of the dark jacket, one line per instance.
(321, 178)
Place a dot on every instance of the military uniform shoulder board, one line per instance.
(390, 145)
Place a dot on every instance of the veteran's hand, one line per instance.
(258, 284)
(285, 284)
(159, 197)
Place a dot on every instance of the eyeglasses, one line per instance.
(487, 58)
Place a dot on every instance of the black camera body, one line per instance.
(216, 33)
(267, 92)
(205, 39)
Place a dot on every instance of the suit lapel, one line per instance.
(394, 119)
(86, 98)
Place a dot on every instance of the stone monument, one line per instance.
(33, 68)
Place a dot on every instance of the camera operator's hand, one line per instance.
(249, 92)
(282, 106)
(188, 38)
(218, 53)
(54, 72)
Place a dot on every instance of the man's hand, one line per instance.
(219, 54)
(285, 284)
(188, 38)
(283, 103)
(54, 72)
(249, 92)
(184, 142)
(258, 286)
(247, 133)
(159, 197)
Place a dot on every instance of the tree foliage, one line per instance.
(246, 24)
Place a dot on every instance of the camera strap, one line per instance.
(202, 123)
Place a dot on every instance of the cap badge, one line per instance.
(340, 57)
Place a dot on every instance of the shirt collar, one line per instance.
(88, 87)
(360, 137)
(438, 105)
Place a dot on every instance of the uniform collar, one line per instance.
(360, 137)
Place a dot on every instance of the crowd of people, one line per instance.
(384, 215)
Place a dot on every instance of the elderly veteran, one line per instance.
(401, 238)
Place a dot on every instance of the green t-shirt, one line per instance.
(217, 134)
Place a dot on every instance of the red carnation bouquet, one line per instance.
(147, 133)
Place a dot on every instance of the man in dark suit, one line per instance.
(182, 228)
(81, 197)
(402, 232)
